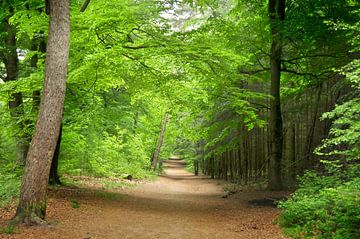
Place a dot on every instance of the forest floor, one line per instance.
(177, 205)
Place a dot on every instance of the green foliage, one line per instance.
(10, 180)
(344, 137)
(74, 203)
(9, 229)
(323, 207)
(328, 205)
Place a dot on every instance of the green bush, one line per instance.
(323, 207)
(10, 180)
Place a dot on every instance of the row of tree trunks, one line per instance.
(248, 161)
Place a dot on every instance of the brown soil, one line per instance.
(178, 205)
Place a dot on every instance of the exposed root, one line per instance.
(28, 220)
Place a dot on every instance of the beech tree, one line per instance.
(277, 15)
(32, 204)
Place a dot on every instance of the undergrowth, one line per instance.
(323, 207)
(10, 181)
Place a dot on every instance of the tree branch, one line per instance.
(253, 72)
(85, 5)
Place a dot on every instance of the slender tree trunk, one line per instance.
(277, 15)
(212, 161)
(292, 154)
(32, 203)
(11, 62)
(160, 142)
(196, 167)
(40, 46)
(310, 135)
(54, 177)
(136, 119)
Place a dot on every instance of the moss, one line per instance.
(30, 214)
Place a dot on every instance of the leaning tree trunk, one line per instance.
(159, 144)
(277, 15)
(32, 204)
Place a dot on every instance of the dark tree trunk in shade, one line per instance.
(276, 15)
(196, 167)
(310, 136)
(41, 47)
(54, 178)
(32, 203)
(156, 155)
(11, 62)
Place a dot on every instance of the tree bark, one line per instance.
(160, 142)
(54, 178)
(32, 203)
(276, 15)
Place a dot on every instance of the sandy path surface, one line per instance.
(178, 205)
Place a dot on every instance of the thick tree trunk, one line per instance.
(32, 204)
(276, 14)
(160, 142)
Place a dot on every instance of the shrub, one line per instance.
(323, 208)
(10, 180)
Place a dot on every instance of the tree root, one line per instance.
(28, 220)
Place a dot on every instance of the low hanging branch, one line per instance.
(85, 5)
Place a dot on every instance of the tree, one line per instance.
(32, 204)
(11, 62)
(160, 141)
(276, 15)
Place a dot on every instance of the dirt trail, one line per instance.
(178, 205)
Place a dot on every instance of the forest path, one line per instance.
(177, 205)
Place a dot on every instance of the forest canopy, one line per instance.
(247, 91)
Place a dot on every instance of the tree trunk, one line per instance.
(160, 142)
(41, 46)
(32, 203)
(54, 178)
(277, 15)
(292, 154)
(310, 136)
(11, 62)
(196, 167)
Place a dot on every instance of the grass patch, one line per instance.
(9, 229)
(74, 203)
(109, 195)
